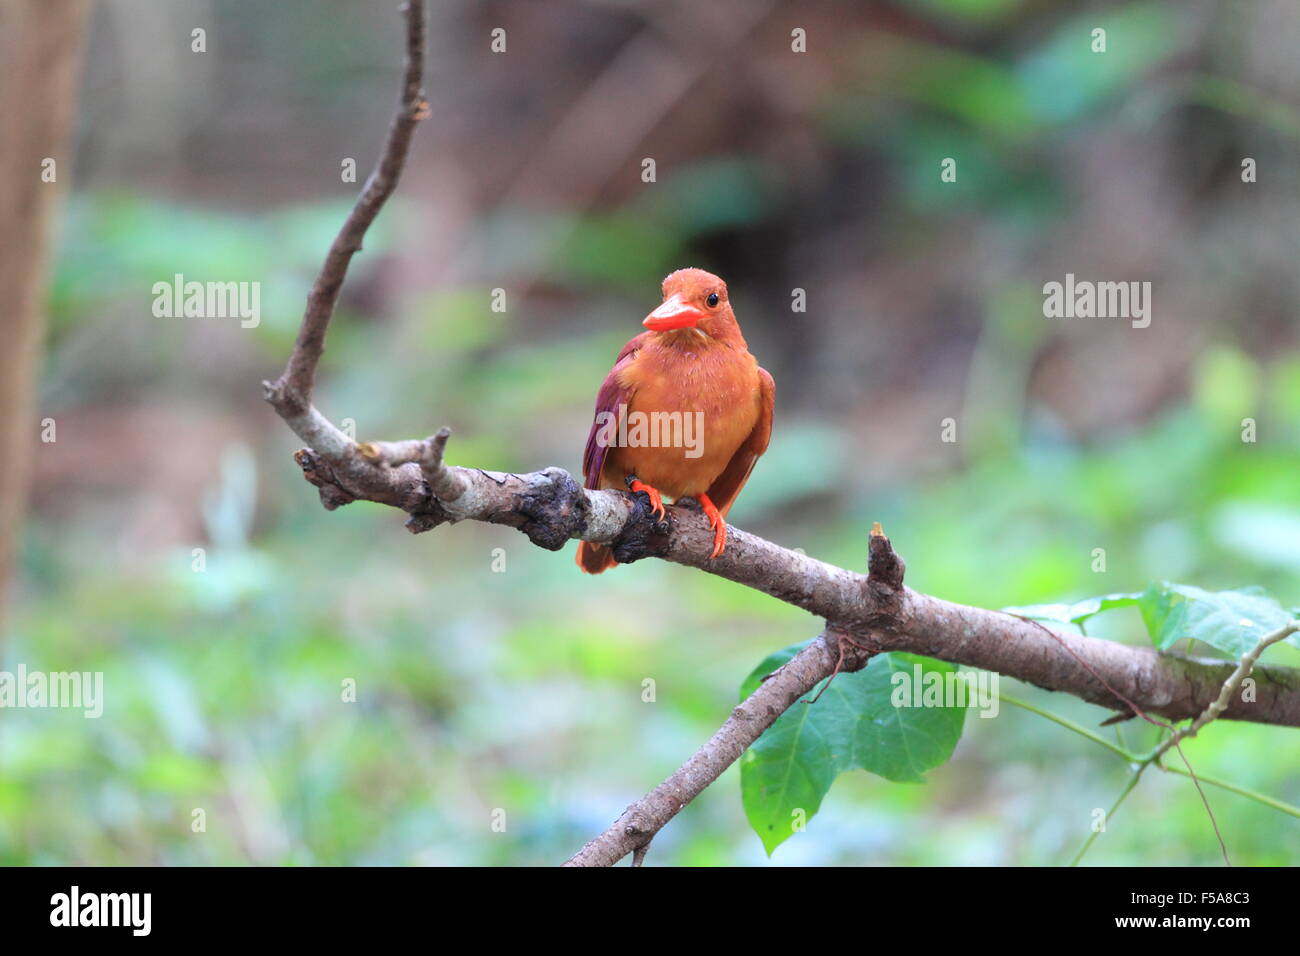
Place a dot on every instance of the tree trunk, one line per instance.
(40, 57)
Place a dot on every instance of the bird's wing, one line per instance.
(727, 485)
(612, 394)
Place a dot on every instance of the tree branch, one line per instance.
(291, 393)
(633, 831)
(551, 508)
(865, 614)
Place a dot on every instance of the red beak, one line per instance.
(675, 313)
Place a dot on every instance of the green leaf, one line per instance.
(1157, 607)
(1231, 621)
(1075, 613)
(855, 725)
(1057, 613)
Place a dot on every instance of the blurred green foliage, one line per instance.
(521, 690)
(224, 688)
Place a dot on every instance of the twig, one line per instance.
(1132, 758)
(647, 816)
(1134, 777)
(1262, 798)
(1134, 709)
(1230, 688)
(1215, 709)
(1220, 704)
(444, 483)
(291, 393)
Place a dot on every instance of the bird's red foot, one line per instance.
(656, 500)
(716, 523)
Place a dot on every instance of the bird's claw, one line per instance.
(718, 525)
(656, 501)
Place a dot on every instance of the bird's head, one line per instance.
(695, 299)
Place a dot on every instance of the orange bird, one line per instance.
(686, 411)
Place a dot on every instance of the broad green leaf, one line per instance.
(1231, 621)
(854, 725)
(1075, 613)
(787, 771)
(1080, 611)
(1157, 605)
(1056, 613)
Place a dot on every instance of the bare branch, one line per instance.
(444, 483)
(291, 393)
(634, 830)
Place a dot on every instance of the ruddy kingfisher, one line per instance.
(690, 368)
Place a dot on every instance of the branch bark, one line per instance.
(291, 393)
(551, 508)
(864, 614)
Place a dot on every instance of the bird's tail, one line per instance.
(594, 558)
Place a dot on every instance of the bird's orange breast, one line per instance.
(697, 401)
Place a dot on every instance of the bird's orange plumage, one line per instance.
(692, 360)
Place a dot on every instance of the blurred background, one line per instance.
(521, 689)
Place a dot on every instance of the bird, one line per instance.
(686, 410)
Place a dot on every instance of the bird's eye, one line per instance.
(712, 300)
